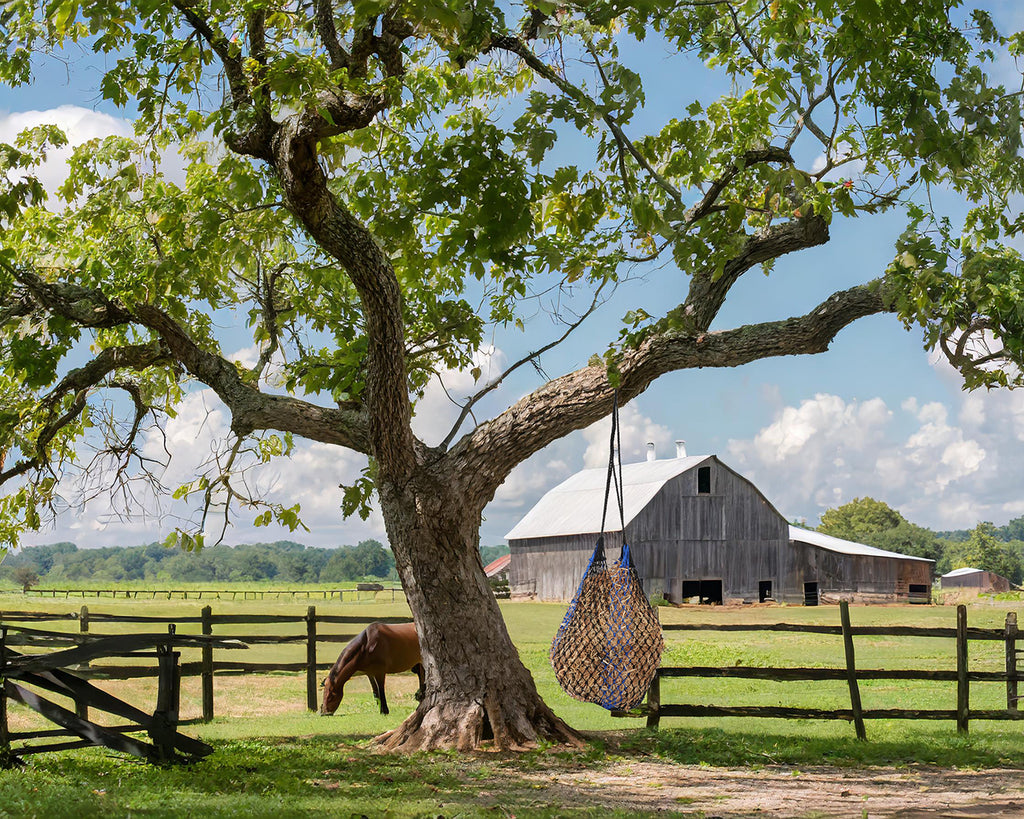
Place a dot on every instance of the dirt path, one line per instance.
(914, 792)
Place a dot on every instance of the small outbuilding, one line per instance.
(498, 569)
(976, 580)
(700, 532)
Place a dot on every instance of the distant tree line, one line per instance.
(283, 561)
(998, 549)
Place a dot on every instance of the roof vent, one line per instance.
(680, 449)
(650, 451)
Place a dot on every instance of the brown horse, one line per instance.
(378, 650)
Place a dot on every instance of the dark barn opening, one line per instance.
(694, 518)
(704, 480)
(920, 593)
(711, 592)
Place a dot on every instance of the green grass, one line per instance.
(273, 758)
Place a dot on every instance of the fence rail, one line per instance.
(48, 673)
(962, 675)
(307, 633)
(24, 630)
(364, 595)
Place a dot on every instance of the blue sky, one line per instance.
(877, 415)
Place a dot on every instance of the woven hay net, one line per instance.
(608, 647)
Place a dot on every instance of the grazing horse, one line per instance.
(378, 650)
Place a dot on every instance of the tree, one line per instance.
(908, 539)
(378, 187)
(983, 550)
(25, 576)
(860, 519)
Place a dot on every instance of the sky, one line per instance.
(877, 415)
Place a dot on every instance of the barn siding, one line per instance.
(732, 534)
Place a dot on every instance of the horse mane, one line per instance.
(357, 645)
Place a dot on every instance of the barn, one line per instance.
(977, 580)
(700, 532)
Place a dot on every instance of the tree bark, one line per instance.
(476, 686)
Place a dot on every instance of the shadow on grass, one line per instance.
(892, 746)
(341, 774)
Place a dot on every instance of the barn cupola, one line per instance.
(680, 449)
(651, 454)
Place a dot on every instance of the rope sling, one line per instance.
(608, 647)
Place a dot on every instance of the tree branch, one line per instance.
(493, 385)
(707, 292)
(488, 453)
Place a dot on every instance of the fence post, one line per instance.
(81, 707)
(963, 691)
(165, 717)
(1011, 661)
(311, 697)
(851, 670)
(5, 738)
(207, 672)
(654, 702)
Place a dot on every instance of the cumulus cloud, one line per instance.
(636, 430)
(79, 124)
(440, 406)
(190, 443)
(941, 466)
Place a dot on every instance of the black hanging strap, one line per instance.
(614, 476)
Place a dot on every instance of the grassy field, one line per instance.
(274, 758)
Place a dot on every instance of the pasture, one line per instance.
(275, 758)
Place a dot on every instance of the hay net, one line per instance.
(608, 647)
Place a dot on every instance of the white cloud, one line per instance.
(635, 431)
(956, 465)
(79, 124)
(194, 438)
(440, 406)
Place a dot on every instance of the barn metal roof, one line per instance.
(574, 506)
(962, 572)
(497, 566)
(846, 547)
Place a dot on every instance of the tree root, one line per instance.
(463, 727)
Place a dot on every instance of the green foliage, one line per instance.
(284, 562)
(866, 520)
(466, 147)
(859, 519)
(984, 550)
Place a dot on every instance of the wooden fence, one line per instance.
(357, 595)
(306, 632)
(962, 675)
(48, 672)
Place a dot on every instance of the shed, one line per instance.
(498, 569)
(699, 531)
(975, 580)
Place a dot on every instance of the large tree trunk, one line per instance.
(476, 685)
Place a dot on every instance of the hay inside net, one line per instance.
(609, 645)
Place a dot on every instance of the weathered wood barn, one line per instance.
(700, 532)
(974, 580)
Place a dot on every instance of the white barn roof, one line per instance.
(574, 506)
(962, 572)
(846, 547)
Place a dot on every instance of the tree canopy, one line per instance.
(374, 189)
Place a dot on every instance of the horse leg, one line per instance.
(378, 684)
(418, 668)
